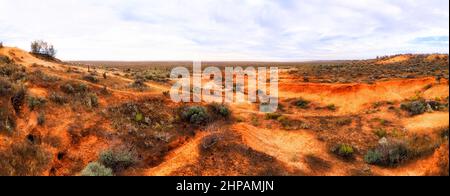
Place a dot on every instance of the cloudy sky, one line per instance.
(275, 30)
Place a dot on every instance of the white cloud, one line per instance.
(228, 29)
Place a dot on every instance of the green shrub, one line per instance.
(138, 117)
(39, 76)
(117, 159)
(380, 132)
(57, 98)
(387, 154)
(75, 88)
(331, 107)
(96, 169)
(344, 150)
(220, 109)
(91, 100)
(139, 83)
(301, 103)
(415, 107)
(344, 121)
(36, 102)
(373, 157)
(195, 115)
(68, 88)
(91, 78)
(273, 116)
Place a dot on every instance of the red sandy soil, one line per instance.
(282, 151)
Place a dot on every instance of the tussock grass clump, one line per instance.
(343, 150)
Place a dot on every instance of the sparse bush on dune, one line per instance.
(219, 109)
(421, 106)
(57, 98)
(391, 152)
(7, 120)
(387, 153)
(18, 99)
(343, 150)
(1, 44)
(139, 83)
(96, 169)
(6, 88)
(196, 115)
(40, 78)
(273, 116)
(117, 159)
(91, 100)
(24, 159)
(75, 88)
(36, 102)
(12, 71)
(91, 78)
(302, 103)
(415, 107)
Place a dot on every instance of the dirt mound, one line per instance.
(352, 98)
(396, 59)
